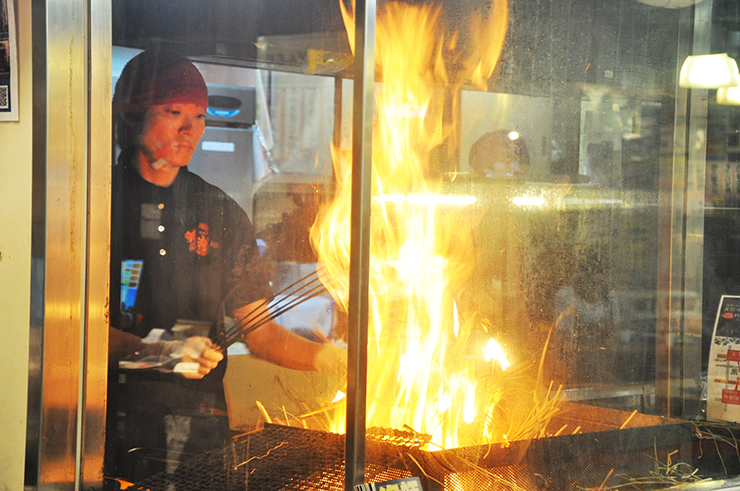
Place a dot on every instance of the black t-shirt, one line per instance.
(196, 248)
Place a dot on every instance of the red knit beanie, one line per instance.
(158, 77)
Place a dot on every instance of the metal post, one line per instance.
(681, 233)
(95, 350)
(362, 133)
(72, 149)
(691, 334)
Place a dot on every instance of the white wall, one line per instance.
(302, 126)
(15, 264)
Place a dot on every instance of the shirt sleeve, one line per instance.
(248, 279)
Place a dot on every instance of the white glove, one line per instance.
(330, 358)
(197, 355)
(192, 347)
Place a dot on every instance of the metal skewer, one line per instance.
(286, 299)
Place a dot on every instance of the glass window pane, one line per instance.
(217, 260)
(544, 270)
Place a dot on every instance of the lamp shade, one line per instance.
(669, 4)
(728, 95)
(709, 72)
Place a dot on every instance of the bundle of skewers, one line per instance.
(297, 293)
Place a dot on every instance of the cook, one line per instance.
(192, 258)
(500, 154)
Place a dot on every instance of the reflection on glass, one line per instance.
(189, 279)
(522, 238)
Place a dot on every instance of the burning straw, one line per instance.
(665, 473)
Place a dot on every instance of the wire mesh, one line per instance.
(288, 458)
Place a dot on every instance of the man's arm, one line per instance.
(123, 344)
(280, 346)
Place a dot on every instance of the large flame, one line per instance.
(423, 360)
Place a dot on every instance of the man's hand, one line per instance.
(198, 357)
(278, 345)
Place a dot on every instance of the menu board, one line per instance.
(723, 375)
(405, 484)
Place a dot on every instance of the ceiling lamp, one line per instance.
(709, 72)
(728, 95)
(669, 4)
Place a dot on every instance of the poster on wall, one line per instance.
(8, 63)
(723, 377)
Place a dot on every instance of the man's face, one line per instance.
(171, 132)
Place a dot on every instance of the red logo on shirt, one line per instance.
(199, 240)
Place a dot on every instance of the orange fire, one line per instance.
(424, 362)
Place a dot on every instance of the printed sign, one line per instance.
(406, 484)
(8, 62)
(733, 355)
(731, 396)
(723, 377)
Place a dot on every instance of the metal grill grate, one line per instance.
(286, 458)
(280, 457)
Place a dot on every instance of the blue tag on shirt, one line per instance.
(130, 275)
